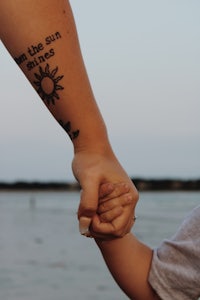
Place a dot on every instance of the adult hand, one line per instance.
(92, 169)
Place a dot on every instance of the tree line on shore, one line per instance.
(140, 183)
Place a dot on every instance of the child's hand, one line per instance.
(115, 203)
(112, 199)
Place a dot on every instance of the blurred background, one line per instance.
(143, 61)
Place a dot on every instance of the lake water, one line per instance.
(43, 256)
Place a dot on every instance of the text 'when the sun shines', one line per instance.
(38, 53)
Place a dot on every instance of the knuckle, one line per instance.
(86, 211)
(104, 218)
(101, 208)
(105, 189)
(135, 195)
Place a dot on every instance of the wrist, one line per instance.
(110, 242)
(96, 141)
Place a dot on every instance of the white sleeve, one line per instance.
(175, 269)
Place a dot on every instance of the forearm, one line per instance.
(129, 262)
(41, 36)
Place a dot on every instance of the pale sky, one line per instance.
(143, 60)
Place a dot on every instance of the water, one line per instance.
(42, 255)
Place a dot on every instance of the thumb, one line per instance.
(88, 206)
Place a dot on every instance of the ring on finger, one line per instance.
(134, 218)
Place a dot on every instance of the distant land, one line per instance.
(140, 183)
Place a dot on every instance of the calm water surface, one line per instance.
(42, 255)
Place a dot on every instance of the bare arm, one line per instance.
(129, 262)
(42, 38)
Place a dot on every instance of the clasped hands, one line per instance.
(108, 196)
(114, 216)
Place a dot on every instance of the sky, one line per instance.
(143, 61)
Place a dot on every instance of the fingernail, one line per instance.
(84, 224)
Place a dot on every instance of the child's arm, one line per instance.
(129, 262)
(127, 258)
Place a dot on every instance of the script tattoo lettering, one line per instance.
(39, 53)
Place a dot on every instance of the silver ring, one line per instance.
(134, 218)
(87, 234)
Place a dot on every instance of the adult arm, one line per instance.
(41, 36)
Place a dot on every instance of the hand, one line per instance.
(92, 169)
(109, 221)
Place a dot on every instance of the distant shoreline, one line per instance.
(167, 184)
(140, 183)
(39, 186)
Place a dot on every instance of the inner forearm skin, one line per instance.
(42, 38)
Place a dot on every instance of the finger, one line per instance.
(130, 217)
(123, 200)
(106, 189)
(107, 231)
(88, 201)
(107, 228)
(87, 207)
(118, 227)
(84, 225)
(99, 228)
(111, 230)
(119, 189)
(112, 214)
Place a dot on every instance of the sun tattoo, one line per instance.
(47, 84)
